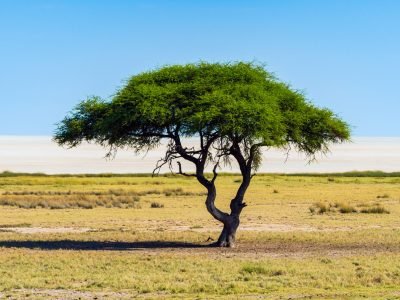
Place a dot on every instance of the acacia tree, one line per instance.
(233, 109)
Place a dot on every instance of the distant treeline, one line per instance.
(344, 174)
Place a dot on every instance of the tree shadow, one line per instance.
(98, 245)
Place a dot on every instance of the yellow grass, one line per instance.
(107, 247)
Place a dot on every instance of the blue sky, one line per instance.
(344, 54)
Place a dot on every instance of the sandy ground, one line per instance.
(34, 230)
(251, 227)
(243, 249)
(272, 228)
(63, 294)
(273, 248)
(75, 295)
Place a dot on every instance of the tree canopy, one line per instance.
(234, 109)
(226, 102)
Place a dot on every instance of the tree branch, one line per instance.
(182, 173)
(182, 152)
(215, 172)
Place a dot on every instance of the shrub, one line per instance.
(85, 204)
(375, 210)
(156, 205)
(384, 196)
(319, 207)
(345, 208)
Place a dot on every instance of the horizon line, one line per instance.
(50, 136)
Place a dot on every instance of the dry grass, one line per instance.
(346, 208)
(87, 201)
(59, 199)
(319, 208)
(152, 253)
(377, 209)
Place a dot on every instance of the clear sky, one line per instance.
(344, 54)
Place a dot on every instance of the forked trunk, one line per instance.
(230, 221)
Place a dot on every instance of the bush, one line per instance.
(384, 196)
(375, 210)
(319, 208)
(345, 208)
(156, 205)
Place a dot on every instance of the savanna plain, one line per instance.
(136, 236)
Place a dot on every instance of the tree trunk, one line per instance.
(230, 221)
(228, 234)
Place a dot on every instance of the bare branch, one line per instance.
(182, 152)
(288, 148)
(182, 173)
(170, 155)
(215, 172)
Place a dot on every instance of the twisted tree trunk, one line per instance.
(230, 221)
